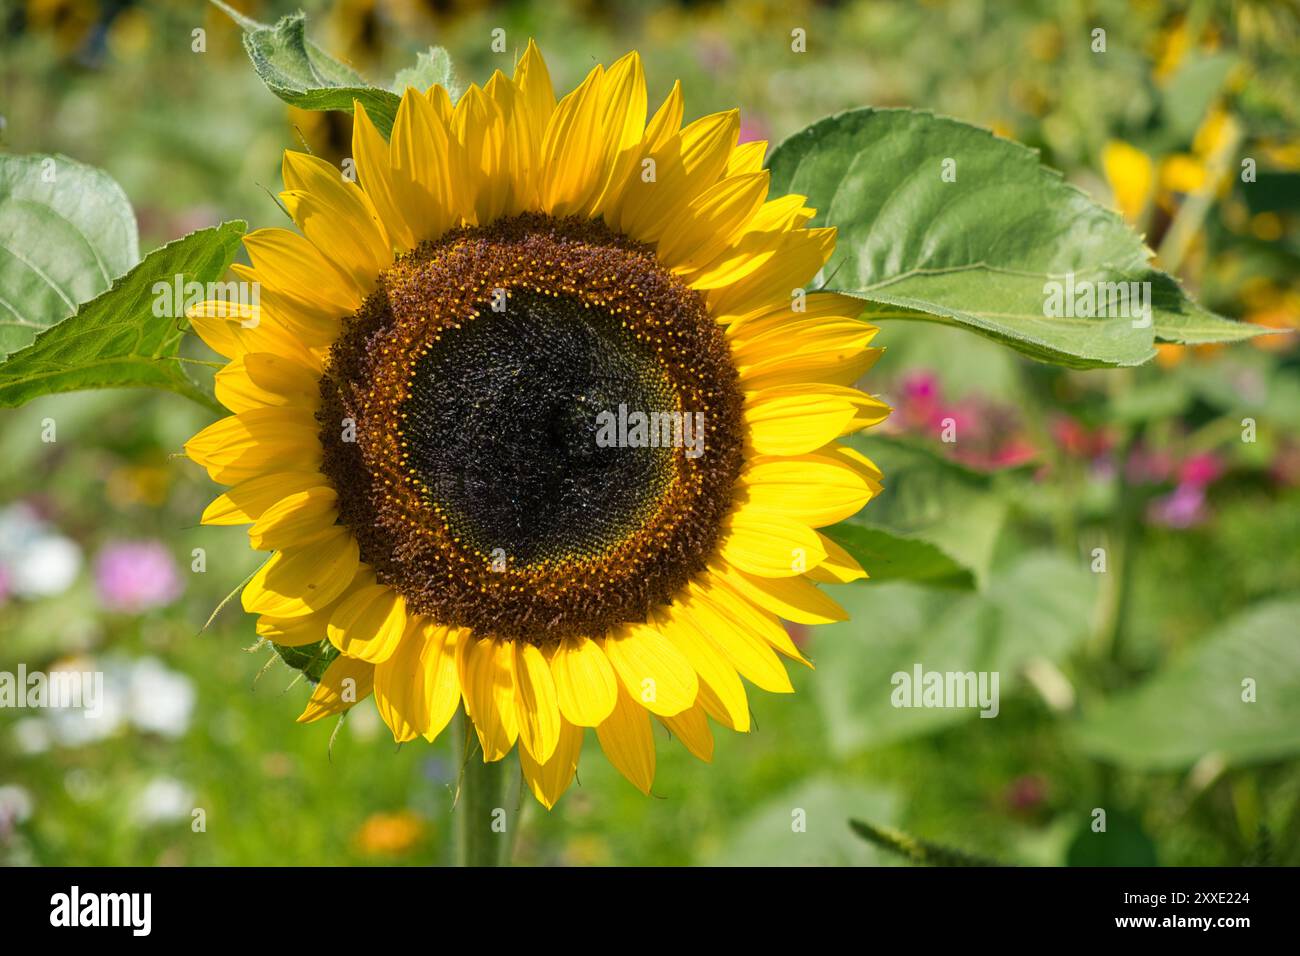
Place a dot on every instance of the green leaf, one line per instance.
(1190, 93)
(68, 231)
(1124, 842)
(115, 340)
(979, 251)
(1038, 608)
(888, 556)
(936, 521)
(431, 68)
(1194, 706)
(805, 827)
(304, 75)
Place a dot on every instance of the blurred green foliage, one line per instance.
(1121, 689)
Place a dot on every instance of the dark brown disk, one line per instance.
(475, 483)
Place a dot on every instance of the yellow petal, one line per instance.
(838, 566)
(795, 421)
(398, 688)
(217, 331)
(348, 228)
(297, 519)
(298, 581)
(486, 669)
(585, 684)
(550, 779)
(628, 741)
(345, 682)
(441, 683)
(859, 462)
(295, 631)
(757, 624)
(370, 153)
(721, 691)
(708, 224)
(622, 124)
(651, 668)
(534, 83)
(570, 157)
(479, 127)
(536, 709)
(1131, 176)
(255, 442)
(369, 624)
(832, 350)
(807, 368)
(743, 650)
(811, 489)
(769, 545)
(747, 158)
(246, 501)
(794, 268)
(776, 316)
(684, 166)
(795, 599)
(422, 160)
(691, 727)
(290, 264)
(265, 379)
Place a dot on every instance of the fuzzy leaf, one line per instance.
(115, 340)
(1196, 706)
(978, 251)
(68, 231)
(432, 67)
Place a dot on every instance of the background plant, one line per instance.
(1122, 689)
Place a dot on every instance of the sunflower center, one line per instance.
(534, 429)
(511, 453)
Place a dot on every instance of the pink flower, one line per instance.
(921, 385)
(134, 576)
(1078, 440)
(1148, 466)
(1184, 507)
(1027, 793)
(1200, 470)
(751, 130)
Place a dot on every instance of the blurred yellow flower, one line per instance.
(69, 21)
(138, 485)
(390, 834)
(1278, 307)
(1135, 178)
(130, 34)
(1174, 43)
(1282, 153)
(1131, 176)
(1169, 354)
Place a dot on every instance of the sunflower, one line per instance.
(538, 420)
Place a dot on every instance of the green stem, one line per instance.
(1191, 214)
(483, 807)
(1123, 533)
